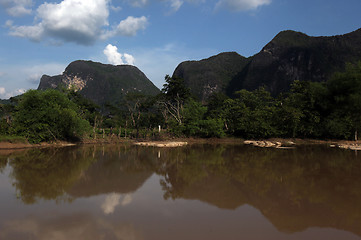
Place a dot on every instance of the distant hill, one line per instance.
(3, 101)
(289, 56)
(210, 75)
(101, 83)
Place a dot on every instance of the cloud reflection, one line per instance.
(110, 202)
(127, 200)
(113, 200)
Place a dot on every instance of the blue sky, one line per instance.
(39, 37)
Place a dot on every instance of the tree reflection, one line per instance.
(3, 162)
(294, 189)
(48, 173)
(63, 174)
(117, 169)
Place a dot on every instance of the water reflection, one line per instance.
(47, 173)
(76, 226)
(117, 169)
(294, 189)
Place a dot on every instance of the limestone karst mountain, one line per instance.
(289, 56)
(101, 83)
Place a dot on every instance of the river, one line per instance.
(193, 192)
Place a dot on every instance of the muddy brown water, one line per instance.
(193, 192)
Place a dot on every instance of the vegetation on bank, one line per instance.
(310, 110)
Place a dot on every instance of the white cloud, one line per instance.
(8, 24)
(115, 9)
(138, 3)
(131, 25)
(17, 8)
(175, 4)
(35, 77)
(129, 59)
(241, 5)
(116, 58)
(26, 76)
(113, 56)
(34, 33)
(32, 74)
(79, 21)
(4, 94)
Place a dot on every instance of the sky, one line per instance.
(42, 37)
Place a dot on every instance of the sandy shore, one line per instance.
(9, 145)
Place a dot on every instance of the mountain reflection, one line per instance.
(68, 173)
(117, 169)
(295, 189)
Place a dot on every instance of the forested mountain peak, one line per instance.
(101, 83)
(210, 75)
(289, 56)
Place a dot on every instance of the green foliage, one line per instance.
(175, 88)
(6, 111)
(301, 111)
(345, 96)
(251, 114)
(12, 139)
(48, 115)
(88, 109)
(193, 115)
(309, 110)
(212, 128)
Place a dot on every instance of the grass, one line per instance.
(13, 139)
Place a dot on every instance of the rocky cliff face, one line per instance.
(295, 56)
(210, 75)
(101, 83)
(289, 56)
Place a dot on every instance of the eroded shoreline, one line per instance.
(280, 143)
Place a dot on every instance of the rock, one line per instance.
(161, 144)
(266, 144)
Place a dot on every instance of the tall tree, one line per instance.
(345, 94)
(174, 95)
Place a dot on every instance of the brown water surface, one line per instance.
(193, 192)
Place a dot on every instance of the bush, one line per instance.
(48, 115)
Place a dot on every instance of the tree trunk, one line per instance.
(94, 127)
(356, 135)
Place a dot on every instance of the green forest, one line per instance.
(327, 110)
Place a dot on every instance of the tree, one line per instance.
(251, 114)
(301, 112)
(6, 111)
(48, 115)
(345, 94)
(173, 97)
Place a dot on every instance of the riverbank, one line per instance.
(282, 143)
(177, 142)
